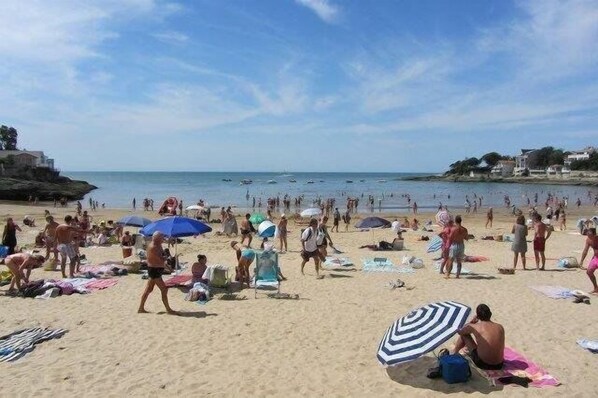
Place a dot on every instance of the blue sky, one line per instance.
(298, 85)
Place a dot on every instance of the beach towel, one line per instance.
(590, 345)
(555, 292)
(383, 265)
(435, 244)
(16, 345)
(338, 262)
(475, 259)
(517, 365)
(179, 280)
(78, 283)
(464, 271)
(99, 284)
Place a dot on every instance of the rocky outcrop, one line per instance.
(12, 188)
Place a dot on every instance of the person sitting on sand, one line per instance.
(591, 242)
(199, 268)
(519, 245)
(245, 257)
(415, 224)
(17, 264)
(405, 223)
(484, 339)
(155, 266)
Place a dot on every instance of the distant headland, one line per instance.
(31, 175)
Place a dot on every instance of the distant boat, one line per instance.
(245, 182)
(226, 180)
(292, 180)
(381, 180)
(310, 181)
(361, 180)
(349, 181)
(286, 175)
(271, 182)
(321, 180)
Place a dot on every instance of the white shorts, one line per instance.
(67, 250)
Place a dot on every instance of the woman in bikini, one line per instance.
(591, 242)
(245, 257)
(282, 233)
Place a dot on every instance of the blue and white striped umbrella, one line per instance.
(435, 244)
(421, 331)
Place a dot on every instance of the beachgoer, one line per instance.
(323, 238)
(336, 219)
(246, 229)
(444, 235)
(563, 220)
(64, 244)
(282, 233)
(50, 237)
(155, 266)
(591, 242)
(484, 339)
(519, 245)
(17, 264)
(126, 240)
(245, 257)
(347, 219)
(199, 268)
(541, 234)
(309, 246)
(9, 236)
(489, 217)
(457, 236)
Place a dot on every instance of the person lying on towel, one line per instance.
(484, 339)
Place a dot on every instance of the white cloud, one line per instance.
(324, 9)
(171, 37)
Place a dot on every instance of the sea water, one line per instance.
(117, 189)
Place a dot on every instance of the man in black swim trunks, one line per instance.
(484, 339)
(155, 266)
(246, 229)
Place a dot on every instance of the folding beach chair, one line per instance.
(266, 271)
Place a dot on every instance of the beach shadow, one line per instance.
(348, 269)
(285, 296)
(479, 277)
(232, 297)
(189, 314)
(339, 276)
(414, 374)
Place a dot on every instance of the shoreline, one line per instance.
(573, 181)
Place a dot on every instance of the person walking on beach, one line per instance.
(336, 219)
(591, 242)
(246, 230)
(347, 220)
(282, 233)
(134, 203)
(457, 237)
(541, 234)
(155, 266)
(309, 246)
(519, 245)
(489, 217)
(64, 238)
(50, 236)
(484, 339)
(9, 236)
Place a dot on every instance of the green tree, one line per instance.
(492, 158)
(8, 138)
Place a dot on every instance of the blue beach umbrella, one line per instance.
(266, 229)
(176, 227)
(134, 221)
(421, 331)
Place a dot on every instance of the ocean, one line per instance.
(117, 189)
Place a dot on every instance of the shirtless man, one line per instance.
(591, 242)
(155, 265)
(246, 229)
(17, 264)
(457, 236)
(50, 235)
(541, 234)
(444, 235)
(64, 237)
(484, 339)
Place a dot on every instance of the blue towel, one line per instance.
(369, 265)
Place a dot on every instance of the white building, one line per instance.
(584, 154)
(29, 158)
(504, 168)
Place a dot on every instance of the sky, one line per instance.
(296, 85)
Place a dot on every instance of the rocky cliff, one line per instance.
(55, 187)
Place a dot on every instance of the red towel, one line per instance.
(100, 284)
(178, 280)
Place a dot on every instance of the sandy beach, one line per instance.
(322, 344)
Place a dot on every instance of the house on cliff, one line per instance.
(29, 158)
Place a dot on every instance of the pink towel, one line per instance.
(516, 364)
(100, 284)
(475, 259)
(178, 280)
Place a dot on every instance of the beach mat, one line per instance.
(516, 365)
(179, 280)
(100, 284)
(16, 345)
(555, 292)
(383, 265)
(332, 262)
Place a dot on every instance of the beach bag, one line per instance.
(568, 262)
(320, 239)
(454, 368)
